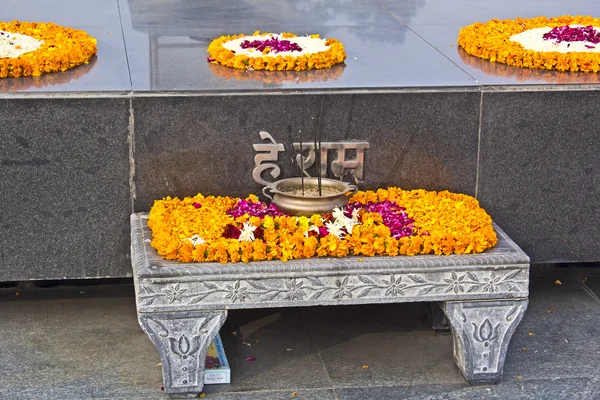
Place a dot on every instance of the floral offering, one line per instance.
(384, 222)
(566, 43)
(35, 48)
(276, 52)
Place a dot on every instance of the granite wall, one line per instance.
(73, 169)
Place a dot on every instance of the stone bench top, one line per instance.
(149, 264)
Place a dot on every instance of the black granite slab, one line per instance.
(167, 43)
(438, 22)
(161, 46)
(108, 70)
(538, 174)
(65, 199)
(186, 145)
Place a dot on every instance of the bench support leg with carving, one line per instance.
(182, 340)
(481, 332)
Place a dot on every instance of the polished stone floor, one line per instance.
(160, 45)
(83, 342)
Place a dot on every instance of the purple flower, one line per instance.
(273, 43)
(258, 209)
(323, 231)
(577, 34)
(394, 216)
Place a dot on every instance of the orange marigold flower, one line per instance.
(445, 223)
(491, 41)
(62, 48)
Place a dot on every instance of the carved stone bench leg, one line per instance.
(481, 332)
(182, 340)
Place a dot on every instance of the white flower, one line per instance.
(348, 223)
(247, 234)
(343, 221)
(335, 229)
(196, 240)
(338, 213)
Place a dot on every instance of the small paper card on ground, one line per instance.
(216, 369)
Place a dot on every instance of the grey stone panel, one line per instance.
(539, 177)
(65, 201)
(282, 345)
(560, 334)
(571, 388)
(186, 145)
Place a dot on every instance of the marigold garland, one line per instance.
(192, 229)
(333, 55)
(491, 41)
(527, 74)
(279, 77)
(63, 48)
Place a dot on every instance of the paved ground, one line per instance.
(84, 343)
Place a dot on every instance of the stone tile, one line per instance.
(581, 389)
(159, 15)
(65, 188)
(589, 278)
(172, 56)
(311, 394)
(563, 322)
(394, 341)
(73, 345)
(538, 175)
(439, 22)
(107, 71)
(267, 335)
(182, 143)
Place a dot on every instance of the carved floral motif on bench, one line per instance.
(340, 288)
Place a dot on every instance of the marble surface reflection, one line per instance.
(160, 45)
(167, 41)
(48, 82)
(107, 71)
(439, 22)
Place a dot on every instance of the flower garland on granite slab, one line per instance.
(276, 52)
(36, 48)
(383, 222)
(566, 43)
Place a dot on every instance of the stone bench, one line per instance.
(182, 306)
